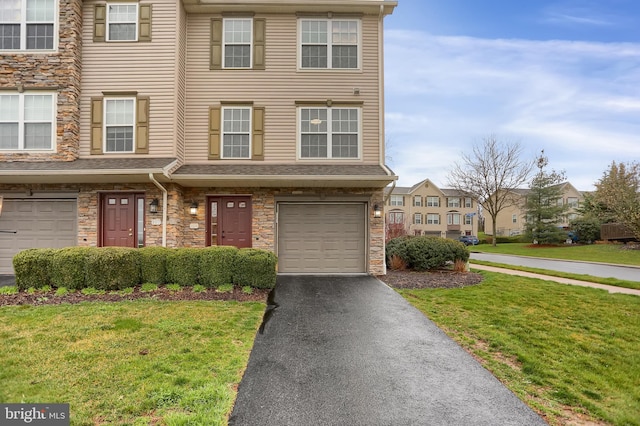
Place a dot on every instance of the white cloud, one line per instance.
(577, 100)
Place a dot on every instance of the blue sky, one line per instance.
(558, 75)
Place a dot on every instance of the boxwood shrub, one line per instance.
(153, 264)
(216, 265)
(112, 268)
(422, 253)
(32, 268)
(183, 266)
(255, 268)
(68, 267)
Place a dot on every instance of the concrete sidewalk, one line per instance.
(609, 288)
(351, 351)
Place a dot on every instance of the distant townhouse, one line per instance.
(176, 123)
(512, 220)
(426, 209)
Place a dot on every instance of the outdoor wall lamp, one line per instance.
(377, 211)
(153, 206)
(194, 208)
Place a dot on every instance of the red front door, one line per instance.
(118, 224)
(230, 221)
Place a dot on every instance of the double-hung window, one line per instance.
(433, 201)
(27, 121)
(453, 219)
(238, 35)
(396, 200)
(329, 132)
(120, 120)
(329, 43)
(417, 201)
(27, 24)
(122, 22)
(453, 202)
(433, 219)
(417, 218)
(236, 132)
(468, 203)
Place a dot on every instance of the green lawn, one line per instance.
(607, 253)
(555, 346)
(138, 363)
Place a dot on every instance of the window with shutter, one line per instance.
(236, 132)
(237, 43)
(119, 124)
(118, 22)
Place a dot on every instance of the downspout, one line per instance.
(165, 202)
(381, 135)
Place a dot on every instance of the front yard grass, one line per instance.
(138, 363)
(557, 347)
(606, 253)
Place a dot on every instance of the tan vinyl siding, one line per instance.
(277, 88)
(148, 68)
(181, 83)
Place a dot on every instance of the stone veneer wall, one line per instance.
(58, 71)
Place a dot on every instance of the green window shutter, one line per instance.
(142, 125)
(99, 22)
(259, 30)
(144, 23)
(215, 60)
(96, 126)
(214, 133)
(257, 147)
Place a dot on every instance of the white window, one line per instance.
(433, 219)
(514, 218)
(236, 132)
(237, 39)
(329, 43)
(396, 217)
(453, 219)
(468, 220)
(417, 201)
(122, 22)
(27, 121)
(27, 24)
(433, 201)
(397, 200)
(329, 133)
(573, 202)
(453, 202)
(417, 218)
(468, 203)
(119, 124)
(560, 202)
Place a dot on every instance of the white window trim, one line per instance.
(224, 44)
(329, 132)
(417, 218)
(23, 30)
(329, 52)
(450, 220)
(137, 21)
(104, 124)
(222, 132)
(437, 216)
(21, 122)
(395, 203)
(437, 200)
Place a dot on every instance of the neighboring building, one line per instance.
(176, 123)
(512, 220)
(425, 209)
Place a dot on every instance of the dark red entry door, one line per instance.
(119, 225)
(230, 221)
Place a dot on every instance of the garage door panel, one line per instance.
(40, 223)
(322, 238)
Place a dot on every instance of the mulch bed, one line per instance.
(432, 279)
(49, 298)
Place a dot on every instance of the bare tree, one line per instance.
(490, 174)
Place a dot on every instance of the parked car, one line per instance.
(469, 240)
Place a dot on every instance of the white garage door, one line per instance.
(39, 223)
(322, 238)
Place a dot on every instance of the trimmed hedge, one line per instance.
(183, 266)
(255, 268)
(112, 268)
(68, 267)
(32, 268)
(217, 265)
(153, 264)
(422, 253)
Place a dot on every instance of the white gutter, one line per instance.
(165, 200)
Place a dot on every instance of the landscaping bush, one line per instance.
(68, 267)
(423, 253)
(32, 267)
(183, 266)
(153, 264)
(217, 265)
(397, 248)
(256, 268)
(112, 268)
(586, 229)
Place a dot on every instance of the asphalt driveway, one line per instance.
(351, 351)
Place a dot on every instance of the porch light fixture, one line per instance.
(153, 206)
(194, 208)
(377, 211)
